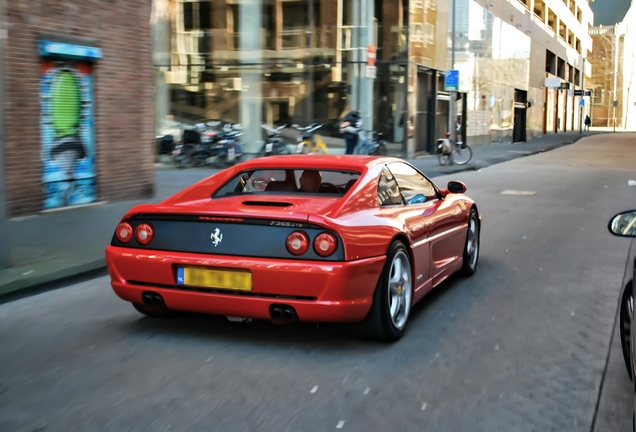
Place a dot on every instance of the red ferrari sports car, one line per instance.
(299, 237)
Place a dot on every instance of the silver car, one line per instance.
(624, 225)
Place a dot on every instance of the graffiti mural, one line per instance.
(67, 125)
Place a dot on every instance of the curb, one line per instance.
(25, 285)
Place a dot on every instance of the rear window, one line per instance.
(285, 181)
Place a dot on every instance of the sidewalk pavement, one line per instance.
(54, 245)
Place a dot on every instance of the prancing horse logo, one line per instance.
(216, 237)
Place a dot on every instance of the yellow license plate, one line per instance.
(218, 279)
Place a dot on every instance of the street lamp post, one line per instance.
(582, 99)
(452, 128)
(615, 43)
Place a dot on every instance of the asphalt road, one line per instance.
(520, 346)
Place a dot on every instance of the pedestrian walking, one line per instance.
(588, 122)
(350, 128)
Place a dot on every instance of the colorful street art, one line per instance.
(67, 125)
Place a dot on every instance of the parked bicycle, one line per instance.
(309, 141)
(370, 144)
(449, 152)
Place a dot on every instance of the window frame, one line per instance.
(438, 193)
(402, 203)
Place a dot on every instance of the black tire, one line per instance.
(469, 265)
(379, 324)
(154, 311)
(625, 326)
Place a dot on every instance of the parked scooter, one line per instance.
(190, 140)
(274, 144)
(229, 147)
(308, 142)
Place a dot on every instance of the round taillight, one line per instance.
(297, 243)
(124, 232)
(325, 244)
(144, 233)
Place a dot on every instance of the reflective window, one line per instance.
(388, 190)
(415, 188)
(289, 181)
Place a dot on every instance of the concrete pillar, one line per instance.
(353, 72)
(161, 34)
(366, 84)
(250, 103)
(361, 97)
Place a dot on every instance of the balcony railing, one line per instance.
(598, 31)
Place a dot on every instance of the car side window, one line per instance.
(415, 188)
(388, 190)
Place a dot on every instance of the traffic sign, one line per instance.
(451, 80)
(371, 55)
(588, 93)
(582, 102)
(578, 92)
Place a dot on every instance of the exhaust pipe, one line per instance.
(275, 312)
(152, 298)
(283, 313)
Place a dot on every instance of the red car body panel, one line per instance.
(342, 291)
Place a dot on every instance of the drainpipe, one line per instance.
(4, 232)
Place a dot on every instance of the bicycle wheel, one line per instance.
(443, 159)
(461, 156)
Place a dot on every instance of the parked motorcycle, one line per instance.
(209, 143)
(274, 144)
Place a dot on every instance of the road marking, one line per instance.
(313, 389)
(520, 151)
(366, 390)
(518, 192)
(340, 424)
(424, 406)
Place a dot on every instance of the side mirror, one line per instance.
(623, 224)
(456, 187)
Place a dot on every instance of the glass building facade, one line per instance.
(300, 61)
(276, 61)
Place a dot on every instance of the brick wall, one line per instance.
(123, 95)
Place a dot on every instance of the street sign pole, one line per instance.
(4, 232)
(582, 100)
(452, 128)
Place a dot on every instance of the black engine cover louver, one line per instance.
(250, 238)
